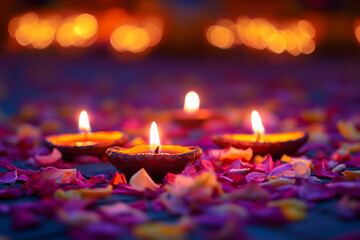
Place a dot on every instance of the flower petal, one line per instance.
(51, 173)
(351, 175)
(8, 177)
(348, 130)
(256, 177)
(231, 154)
(46, 160)
(301, 169)
(118, 179)
(141, 180)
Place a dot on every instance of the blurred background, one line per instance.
(146, 54)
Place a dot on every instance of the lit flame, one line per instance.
(256, 123)
(154, 138)
(192, 102)
(84, 125)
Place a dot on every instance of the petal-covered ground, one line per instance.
(227, 194)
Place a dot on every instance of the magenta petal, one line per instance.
(280, 170)
(79, 176)
(46, 160)
(189, 170)
(256, 177)
(315, 192)
(169, 178)
(238, 164)
(204, 164)
(23, 177)
(127, 190)
(325, 171)
(8, 177)
(349, 188)
(101, 178)
(267, 165)
(20, 171)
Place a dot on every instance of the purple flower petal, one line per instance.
(256, 177)
(8, 177)
(267, 165)
(315, 192)
(280, 170)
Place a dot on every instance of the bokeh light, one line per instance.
(136, 38)
(32, 30)
(130, 38)
(294, 37)
(125, 32)
(220, 36)
(357, 31)
(78, 31)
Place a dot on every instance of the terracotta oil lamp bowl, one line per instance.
(192, 115)
(156, 159)
(275, 144)
(86, 143)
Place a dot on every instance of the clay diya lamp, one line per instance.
(276, 144)
(86, 142)
(192, 115)
(155, 158)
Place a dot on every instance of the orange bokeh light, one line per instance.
(130, 38)
(78, 31)
(137, 36)
(294, 37)
(357, 31)
(32, 30)
(220, 36)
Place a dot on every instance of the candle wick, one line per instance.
(258, 137)
(85, 135)
(157, 149)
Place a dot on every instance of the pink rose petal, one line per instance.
(46, 160)
(51, 173)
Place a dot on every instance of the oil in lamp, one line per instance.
(276, 144)
(86, 142)
(155, 158)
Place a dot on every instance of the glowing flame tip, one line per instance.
(84, 124)
(256, 123)
(154, 138)
(192, 102)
